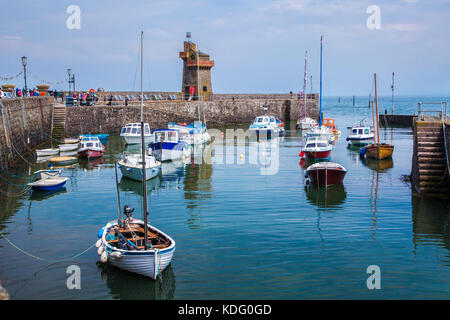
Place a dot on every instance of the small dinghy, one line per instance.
(71, 140)
(47, 152)
(46, 174)
(325, 173)
(126, 248)
(48, 180)
(68, 147)
(48, 184)
(62, 161)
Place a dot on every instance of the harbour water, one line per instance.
(240, 234)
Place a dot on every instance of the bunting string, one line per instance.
(11, 77)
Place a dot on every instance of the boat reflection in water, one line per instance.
(124, 285)
(91, 164)
(173, 173)
(430, 218)
(38, 195)
(381, 165)
(331, 197)
(135, 187)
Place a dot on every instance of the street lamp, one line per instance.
(24, 63)
(69, 72)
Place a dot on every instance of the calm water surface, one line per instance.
(240, 234)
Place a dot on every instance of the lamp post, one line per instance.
(24, 63)
(69, 72)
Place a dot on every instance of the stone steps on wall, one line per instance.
(431, 168)
(58, 121)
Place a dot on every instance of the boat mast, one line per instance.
(320, 98)
(376, 106)
(118, 193)
(304, 86)
(392, 87)
(198, 83)
(144, 178)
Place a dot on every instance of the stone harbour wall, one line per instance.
(25, 124)
(110, 119)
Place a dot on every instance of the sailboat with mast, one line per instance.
(132, 244)
(305, 122)
(320, 131)
(377, 150)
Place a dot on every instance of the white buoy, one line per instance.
(98, 243)
(100, 251)
(104, 257)
(116, 255)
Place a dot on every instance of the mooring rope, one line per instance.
(44, 259)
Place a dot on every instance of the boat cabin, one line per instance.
(135, 129)
(359, 131)
(328, 122)
(264, 120)
(90, 142)
(166, 135)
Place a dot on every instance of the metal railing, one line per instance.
(440, 114)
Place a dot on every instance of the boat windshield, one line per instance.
(310, 145)
(360, 131)
(354, 131)
(322, 145)
(366, 131)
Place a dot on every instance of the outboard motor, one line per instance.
(127, 211)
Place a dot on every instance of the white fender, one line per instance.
(98, 243)
(104, 257)
(116, 255)
(100, 251)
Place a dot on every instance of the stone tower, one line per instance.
(196, 70)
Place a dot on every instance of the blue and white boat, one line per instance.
(48, 180)
(100, 136)
(266, 126)
(167, 145)
(361, 133)
(130, 254)
(194, 133)
(131, 244)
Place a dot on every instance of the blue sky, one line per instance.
(258, 46)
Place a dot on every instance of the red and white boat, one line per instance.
(91, 147)
(317, 148)
(326, 173)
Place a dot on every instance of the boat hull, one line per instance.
(379, 151)
(149, 263)
(48, 184)
(90, 154)
(360, 141)
(68, 147)
(136, 173)
(326, 176)
(167, 151)
(47, 152)
(63, 161)
(318, 155)
(137, 139)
